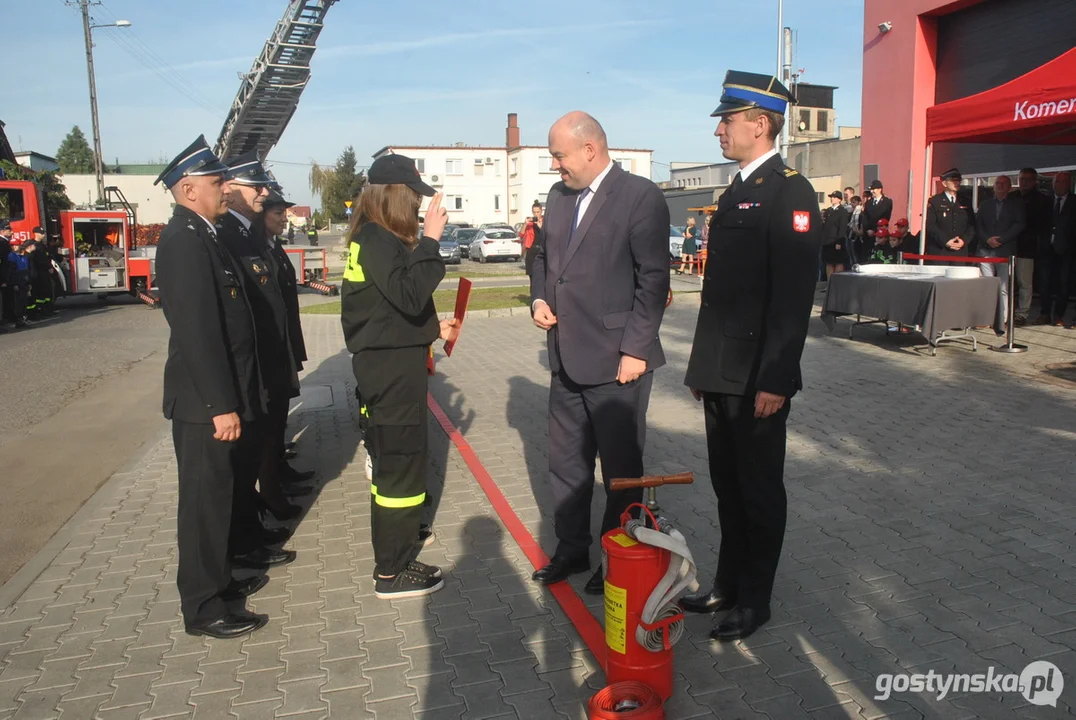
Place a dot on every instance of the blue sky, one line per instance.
(415, 72)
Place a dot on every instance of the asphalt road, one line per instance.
(80, 396)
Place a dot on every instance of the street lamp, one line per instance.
(84, 5)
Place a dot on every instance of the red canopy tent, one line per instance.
(1038, 108)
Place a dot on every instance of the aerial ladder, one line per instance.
(269, 93)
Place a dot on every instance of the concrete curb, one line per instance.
(18, 584)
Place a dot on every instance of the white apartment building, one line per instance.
(485, 184)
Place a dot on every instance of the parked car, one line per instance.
(489, 226)
(676, 241)
(450, 251)
(496, 244)
(464, 236)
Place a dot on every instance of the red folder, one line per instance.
(463, 297)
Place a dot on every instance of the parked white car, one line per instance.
(676, 241)
(496, 244)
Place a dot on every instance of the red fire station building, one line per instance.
(975, 61)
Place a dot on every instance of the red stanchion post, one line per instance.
(1010, 310)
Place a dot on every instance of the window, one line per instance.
(515, 167)
(420, 163)
(625, 164)
(515, 202)
(545, 164)
(821, 197)
(453, 166)
(479, 169)
(543, 198)
(823, 121)
(454, 202)
(497, 168)
(497, 203)
(805, 119)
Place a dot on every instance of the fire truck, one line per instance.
(94, 248)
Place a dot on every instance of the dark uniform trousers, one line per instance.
(246, 527)
(393, 383)
(747, 457)
(204, 518)
(607, 420)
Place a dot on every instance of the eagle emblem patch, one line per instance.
(801, 220)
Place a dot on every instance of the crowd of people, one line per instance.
(28, 279)
(1038, 230)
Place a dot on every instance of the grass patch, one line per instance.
(445, 301)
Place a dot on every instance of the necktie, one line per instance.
(1057, 214)
(997, 210)
(576, 216)
(736, 183)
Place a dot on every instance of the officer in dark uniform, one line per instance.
(950, 220)
(248, 185)
(212, 389)
(764, 242)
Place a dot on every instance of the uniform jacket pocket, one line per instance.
(615, 320)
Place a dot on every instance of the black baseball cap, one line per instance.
(398, 170)
(5, 225)
(39, 229)
(837, 194)
(876, 185)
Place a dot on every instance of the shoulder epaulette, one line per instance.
(788, 172)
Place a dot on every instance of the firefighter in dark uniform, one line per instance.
(212, 389)
(950, 220)
(289, 287)
(764, 242)
(389, 322)
(248, 185)
(44, 285)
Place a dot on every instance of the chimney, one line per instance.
(512, 133)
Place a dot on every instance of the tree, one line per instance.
(75, 156)
(337, 184)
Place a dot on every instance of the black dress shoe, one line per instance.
(559, 568)
(296, 491)
(284, 514)
(263, 558)
(740, 623)
(596, 584)
(707, 602)
(232, 625)
(289, 445)
(290, 454)
(239, 589)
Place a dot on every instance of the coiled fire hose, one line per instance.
(679, 576)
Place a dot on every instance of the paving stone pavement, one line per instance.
(931, 524)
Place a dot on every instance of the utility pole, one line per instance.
(84, 5)
(780, 56)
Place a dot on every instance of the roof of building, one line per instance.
(26, 153)
(385, 149)
(136, 169)
(302, 211)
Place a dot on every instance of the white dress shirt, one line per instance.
(585, 202)
(747, 170)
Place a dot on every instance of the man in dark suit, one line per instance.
(878, 207)
(212, 389)
(1055, 257)
(1036, 234)
(599, 284)
(744, 366)
(950, 221)
(998, 225)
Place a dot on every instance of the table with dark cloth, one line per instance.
(934, 304)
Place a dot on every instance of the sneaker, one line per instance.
(407, 584)
(424, 569)
(426, 535)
